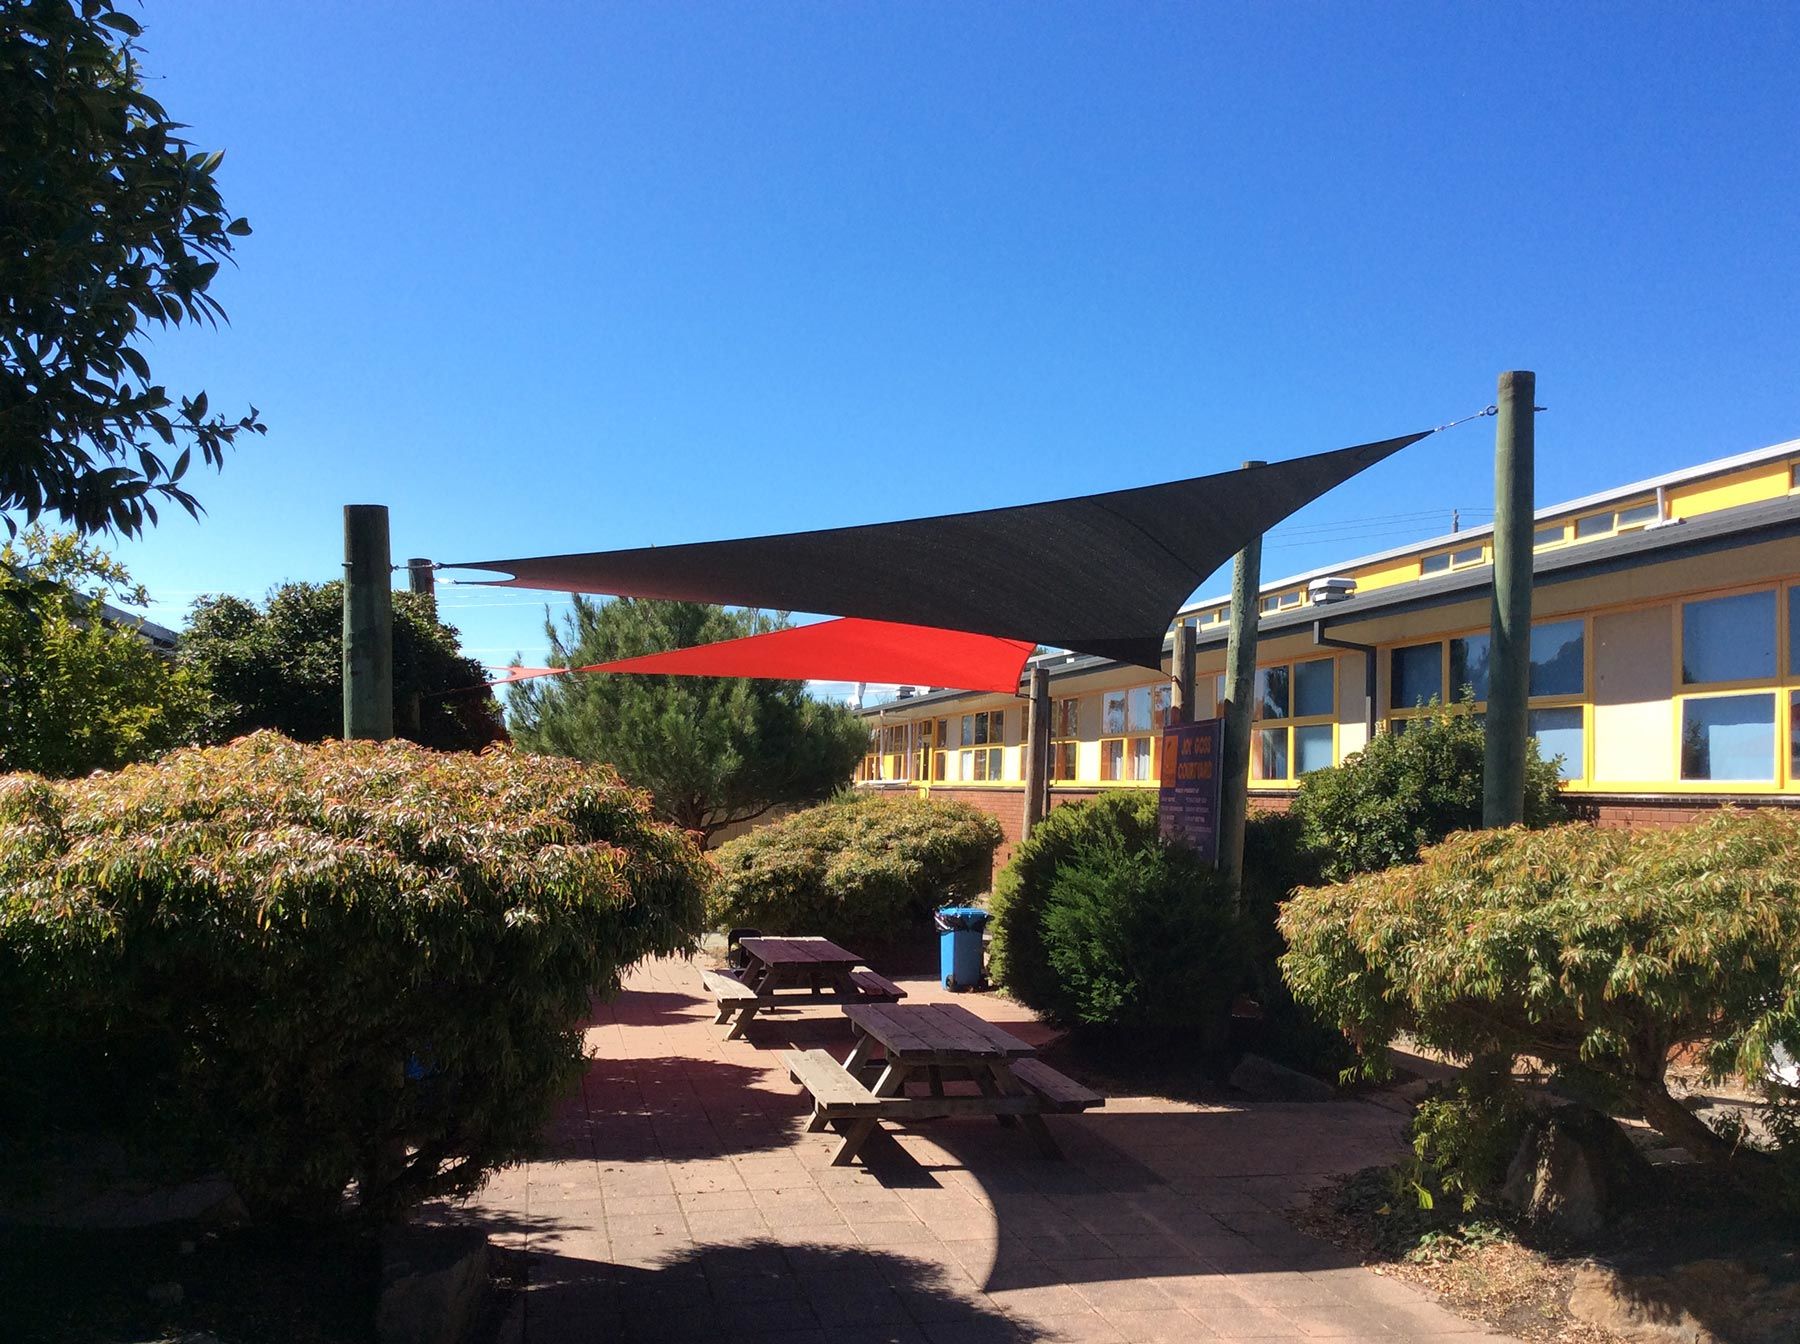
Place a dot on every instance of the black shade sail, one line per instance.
(1102, 574)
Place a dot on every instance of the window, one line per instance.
(982, 764)
(1280, 601)
(1728, 737)
(1130, 723)
(1557, 687)
(1728, 638)
(988, 725)
(1617, 520)
(1553, 534)
(1065, 719)
(1417, 674)
(1448, 560)
(1285, 745)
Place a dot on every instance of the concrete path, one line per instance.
(678, 1199)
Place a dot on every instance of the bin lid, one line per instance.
(970, 914)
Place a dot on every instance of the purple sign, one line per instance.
(1188, 804)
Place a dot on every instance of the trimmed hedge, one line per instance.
(865, 867)
(324, 963)
(1597, 951)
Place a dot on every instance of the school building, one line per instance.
(1665, 662)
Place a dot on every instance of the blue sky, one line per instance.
(552, 277)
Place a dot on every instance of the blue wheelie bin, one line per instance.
(959, 946)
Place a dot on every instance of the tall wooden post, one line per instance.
(1509, 650)
(421, 577)
(1182, 688)
(368, 624)
(1037, 750)
(1240, 686)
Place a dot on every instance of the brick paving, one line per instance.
(677, 1198)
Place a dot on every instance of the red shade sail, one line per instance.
(851, 649)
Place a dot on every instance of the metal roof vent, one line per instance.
(1332, 588)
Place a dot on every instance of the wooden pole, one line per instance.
(1509, 649)
(368, 624)
(1037, 750)
(1181, 675)
(421, 577)
(1240, 685)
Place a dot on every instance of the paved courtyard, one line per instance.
(678, 1198)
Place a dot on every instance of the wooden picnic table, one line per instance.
(925, 1045)
(791, 973)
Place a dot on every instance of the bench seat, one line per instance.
(834, 1091)
(1059, 1092)
(724, 987)
(876, 986)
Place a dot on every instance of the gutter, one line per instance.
(1368, 651)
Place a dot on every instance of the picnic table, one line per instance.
(923, 1046)
(792, 973)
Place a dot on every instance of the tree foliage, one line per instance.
(280, 666)
(80, 692)
(1406, 790)
(863, 867)
(111, 226)
(711, 750)
(319, 963)
(1141, 940)
(1597, 951)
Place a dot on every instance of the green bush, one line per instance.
(1407, 790)
(334, 962)
(1140, 939)
(1594, 949)
(863, 867)
(1463, 1140)
(1018, 959)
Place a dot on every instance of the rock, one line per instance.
(1574, 1170)
(434, 1283)
(1266, 1080)
(1702, 1302)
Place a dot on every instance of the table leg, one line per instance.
(745, 1013)
(1010, 1086)
(988, 1089)
(856, 1132)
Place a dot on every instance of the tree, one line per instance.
(1407, 790)
(110, 223)
(711, 750)
(80, 691)
(280, 666)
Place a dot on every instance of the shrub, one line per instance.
(861, 867)
(1142, 939)
(1586, 948)
(350, 960)
(1463, 1140)
(1018, 960)
(1407, 790)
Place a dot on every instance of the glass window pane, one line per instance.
(1728, 737)
(1314, 692)
(1639, 513)
(937, 766)
(1271, 701)
(968, 730)
(996, 763)
(1140, 758)
(1137, 709)
(1728, 638)
(1112, 757)
(1548, 536)
(1558, 658)
(1312, 748)
(1418, 676)
(1794, 737)
(1159, 706)
(997, 726)
(1112, 712)
(981, 729)
(1435, 564)
(1558, 733)
(1469, 658)
(1469, 555)
(1594, 525)
(1271, 755)
(1793, 666)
